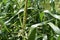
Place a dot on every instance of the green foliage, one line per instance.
(32, 33)
(41, 16)
(42, 22)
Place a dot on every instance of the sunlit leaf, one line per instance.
(55, 28)
(40, 24)
(45, 37)
(53, 15)
(21, 10)
(58, 38)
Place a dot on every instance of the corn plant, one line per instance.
(29, 20)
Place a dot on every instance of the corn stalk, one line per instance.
(24, 15)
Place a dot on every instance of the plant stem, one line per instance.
(25, 14)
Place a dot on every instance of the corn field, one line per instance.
(29, 19)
